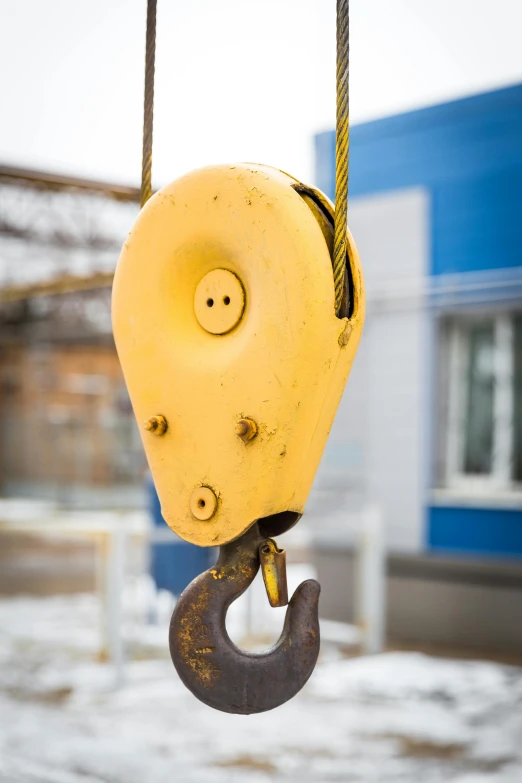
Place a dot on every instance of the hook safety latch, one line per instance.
(273, 568)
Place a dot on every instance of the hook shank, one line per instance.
(218, 672)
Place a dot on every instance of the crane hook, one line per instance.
(218, 672)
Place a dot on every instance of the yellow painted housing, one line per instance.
(279, 363)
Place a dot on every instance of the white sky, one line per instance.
(235, 79)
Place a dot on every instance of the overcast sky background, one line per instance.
(235, 79)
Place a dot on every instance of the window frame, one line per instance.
(500, 480)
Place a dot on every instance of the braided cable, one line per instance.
(148, 103)
(342, 150)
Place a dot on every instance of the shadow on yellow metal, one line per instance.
(280, 360)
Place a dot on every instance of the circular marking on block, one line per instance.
(203, 503)
(219, 301)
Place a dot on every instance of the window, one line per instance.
(484, 437)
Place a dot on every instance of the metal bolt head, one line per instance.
(157, 425)
(246, 429)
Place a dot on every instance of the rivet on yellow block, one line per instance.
(203, 503)
(157, 425)
(246, 429)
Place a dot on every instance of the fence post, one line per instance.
(371, 581)
(110, 582)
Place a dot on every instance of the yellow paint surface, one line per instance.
(284, 364)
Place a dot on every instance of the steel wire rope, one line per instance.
(342, 136)
(148, 103)
(342, 154)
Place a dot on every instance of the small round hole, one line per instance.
(226, 300)
(201, 503)
(210, 303)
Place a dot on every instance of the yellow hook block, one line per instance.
(223, 313)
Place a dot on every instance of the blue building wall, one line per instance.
(468, 153)
(468, 156)
(475, 530)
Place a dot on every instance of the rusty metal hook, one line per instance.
(218, 672)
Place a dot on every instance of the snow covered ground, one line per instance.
(393, 718)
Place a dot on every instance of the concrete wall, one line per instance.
(455, 604)
(375, 453)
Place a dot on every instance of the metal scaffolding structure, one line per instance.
(59, 234)
(66, 427)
